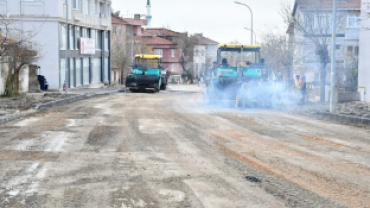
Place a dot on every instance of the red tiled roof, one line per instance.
(152, 40)
(162, 32)
(117, 20)
(200, 40)
(136, 22)
(324, 4)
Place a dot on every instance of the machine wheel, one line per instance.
(163, 87)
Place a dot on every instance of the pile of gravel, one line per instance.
(360, 109)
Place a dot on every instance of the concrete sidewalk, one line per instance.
(42, 101)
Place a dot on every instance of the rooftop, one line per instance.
(327, 4)
(200, 40)
(162, 32)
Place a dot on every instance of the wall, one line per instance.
(364, 63)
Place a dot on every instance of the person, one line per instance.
(224, 63)
(303, 90)
(64, 85)
(46, 85)
(297, 84)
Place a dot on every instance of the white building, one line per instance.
(316, 18)
(90, 26)
(364, 63)
(205, 52)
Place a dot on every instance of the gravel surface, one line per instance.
(169, 149)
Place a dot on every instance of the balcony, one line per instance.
(78, 15)
(104, 21)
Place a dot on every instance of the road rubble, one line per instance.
(170, 149)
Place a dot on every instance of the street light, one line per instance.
(255, 36)
(236, 2)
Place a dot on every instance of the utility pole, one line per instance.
(333, 102)
(237, 2)
(67, 50)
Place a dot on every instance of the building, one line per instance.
(124, 32)
(205, 52)
(364, 63)
(315, 17)
(88, 38)
(165, 43)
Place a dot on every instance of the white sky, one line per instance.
(220, 20)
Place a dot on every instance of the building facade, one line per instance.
(124, 32)
(315, 18)
(364, 63)
(88, 38)
(205, 52)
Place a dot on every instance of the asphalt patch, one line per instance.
(252, 179)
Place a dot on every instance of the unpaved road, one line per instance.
(171, 150)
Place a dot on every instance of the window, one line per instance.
(121, 30)
(77, 4)
(71, 37)
(158, 52)
(86, 71)
(172, 67)
(354, 20)
(78, 36)
(356, 50)
(337, 47)
(88, 7)
(78, 72)
(98, 40)
(173, 52)
(349, 49)
(80, 5)
(114, 30)
(96, 7)
(63, 38)
(106, 41)
(71, 72)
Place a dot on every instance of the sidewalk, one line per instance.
(31, 103)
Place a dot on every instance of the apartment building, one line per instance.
(88, 38)
(315, 17)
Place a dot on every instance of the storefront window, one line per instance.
(62, 72)
(106, 71)
(86, 71)
(72, 73)
(96, 72)
(106, 42)
(78, 72)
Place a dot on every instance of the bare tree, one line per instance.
(186, 44)
(312, 32)
(274, 48)
(121, 52)
(17, 51)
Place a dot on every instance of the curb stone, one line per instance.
(44, 106)
(347, 120)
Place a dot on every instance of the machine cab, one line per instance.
(236, 60)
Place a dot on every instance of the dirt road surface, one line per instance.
(171, 150)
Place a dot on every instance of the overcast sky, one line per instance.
(220, 20)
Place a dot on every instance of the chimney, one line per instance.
(137, 16)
